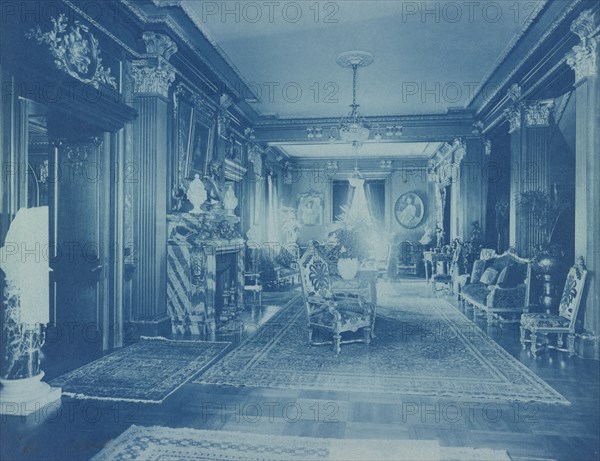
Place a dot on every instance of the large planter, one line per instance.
(548, 260)
(348, 267)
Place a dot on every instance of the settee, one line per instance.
(499, 286)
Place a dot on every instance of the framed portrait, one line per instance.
(409, 210)
(200, 149)
(310, 209)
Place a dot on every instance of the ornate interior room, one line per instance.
(355, 230)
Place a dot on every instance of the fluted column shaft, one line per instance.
(152, 82)
(585, 61)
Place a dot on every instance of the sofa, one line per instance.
(499, 286)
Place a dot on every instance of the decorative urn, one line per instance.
(196, 194)
(548, 259)
(230, 201)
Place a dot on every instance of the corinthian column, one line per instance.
(152, 80)
(585, 62)
(530, 129)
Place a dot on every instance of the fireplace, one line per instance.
(205, 272)
(225, 285)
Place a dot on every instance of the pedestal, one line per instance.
(22, 397)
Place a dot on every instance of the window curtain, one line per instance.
(359, 210)
(272, 211)
(375, 193)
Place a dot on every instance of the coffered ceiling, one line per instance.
(429, 56)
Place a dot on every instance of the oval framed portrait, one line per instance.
(409, 210)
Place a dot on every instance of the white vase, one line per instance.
(196, 194)
(230, 201)
(348, 267)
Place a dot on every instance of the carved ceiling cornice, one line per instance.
(494, 114)
(165, 19)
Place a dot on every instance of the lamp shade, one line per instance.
(24, 260)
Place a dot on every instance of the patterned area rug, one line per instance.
(147, 371)
(166, 444)
(423, 346)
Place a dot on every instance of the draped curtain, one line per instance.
(272, 211)
(375, 192)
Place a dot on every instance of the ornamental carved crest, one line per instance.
(75, 51)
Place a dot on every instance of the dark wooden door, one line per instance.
(82, 248)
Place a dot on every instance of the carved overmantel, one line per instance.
(194, 243)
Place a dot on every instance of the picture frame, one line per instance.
(200, 148)
(409, 210)
(310, 209)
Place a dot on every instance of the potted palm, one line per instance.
(350, 235)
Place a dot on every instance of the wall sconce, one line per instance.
(377, 136)
(332, 136)
(314, 132)
(331, 167)
(393, 131)
(287, 173)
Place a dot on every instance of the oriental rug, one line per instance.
(183, 444)
(423, 346)
(147, 371)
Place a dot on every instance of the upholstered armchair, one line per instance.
(364, 285)
(408, 256)
(564, 322)
(328, 313)
(446, 279)
(286, 266)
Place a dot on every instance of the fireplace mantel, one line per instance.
(195, 242)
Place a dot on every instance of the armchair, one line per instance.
(408, 255)
(447, 278)
(546, 324)
(286, 266)
(335, 314)
(364, 285)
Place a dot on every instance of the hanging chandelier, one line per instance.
(352, 129)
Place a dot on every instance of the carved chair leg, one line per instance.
(523, 333)
(571, 344)
(337, 339)
(559, 339)
(367, 333)
(372, 329)
(310, 335)
(533, 342)
(490, 318)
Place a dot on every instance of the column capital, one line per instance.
(583, 58)
(513, 115)
(152, 76)
(537, 113)
(159, 45)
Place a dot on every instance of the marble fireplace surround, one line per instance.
(195, 242)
